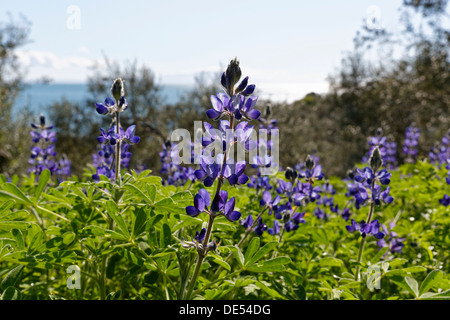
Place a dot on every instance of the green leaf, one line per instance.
(238, 254)
(154, 220)
(139, 221)
(405, 271)
(18, 236)
(9, 225)
(11, 293)
(43, 179)
(166, 236)
(412, 283)
(34, 237)
(320, 236)
(5, 206)
(114, 295)
(151, 191)
(330, 262)
(379, 254)
(11, 278)
(137, 192)
(12, 191)
(271, 265)
(300, 292)
(220, 262)
(251, 250)
(271, 292)
(263, 251)
(432, 280)
(113, 212)
(436, 296)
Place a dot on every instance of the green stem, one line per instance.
(195, 275)
(117, 149)
(363, 240)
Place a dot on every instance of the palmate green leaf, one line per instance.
(432, 280)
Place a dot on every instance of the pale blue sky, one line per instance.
(287, 48)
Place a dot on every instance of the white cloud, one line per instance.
(83, 50)
(72, 68)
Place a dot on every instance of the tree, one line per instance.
(13, 35)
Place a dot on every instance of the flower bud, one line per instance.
(268, 111)
(290, 174)
(42, 120)
(232, 74)
(375, 160)
(309, 163)
(117, 89)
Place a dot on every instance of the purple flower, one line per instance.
(377, 195)
(229, 211)
(208, 173)
(365, 229)
(246, 108)
(268, 202)
(248, 222)
(259, 182)
(234, 173)
(275, 229)
(445, 201)
(392, 241)
(200, 236)
(106, 137)
(367, 175)
(202, 200)
(313, 174)
(106, 107)
(129, 136)
(248, 225)
(345, 214)
(221, 104)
